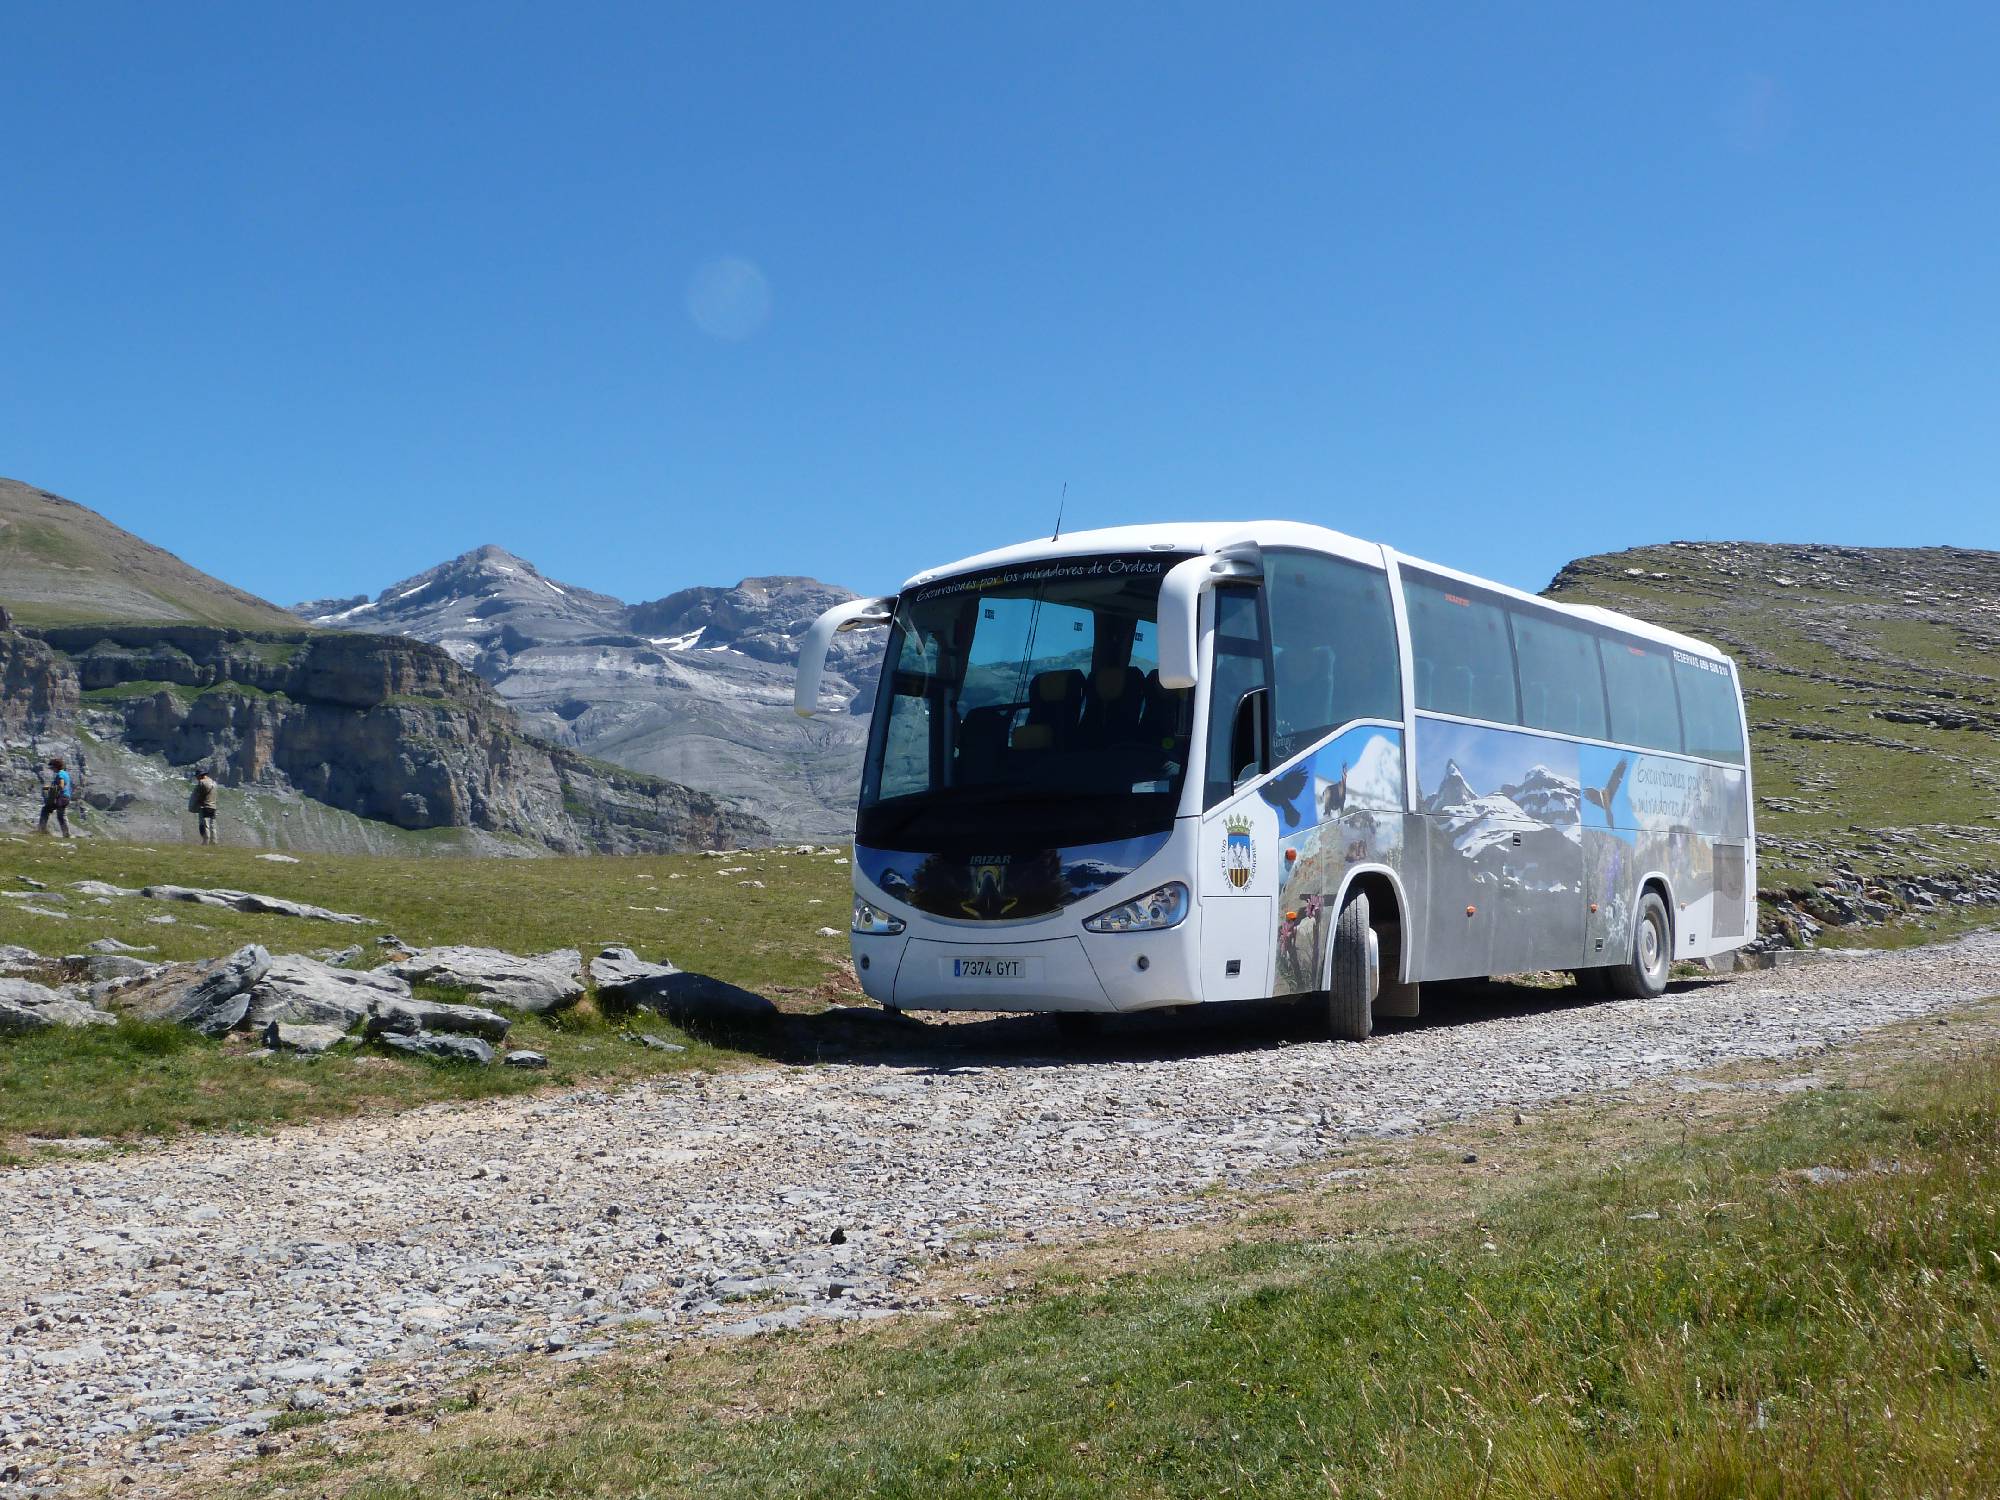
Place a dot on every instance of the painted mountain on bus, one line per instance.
(695, 687)
(1872, 682)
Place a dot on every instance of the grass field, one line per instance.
(753, 920)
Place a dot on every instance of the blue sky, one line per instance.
(658, 296)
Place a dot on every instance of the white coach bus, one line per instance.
(1159, 765)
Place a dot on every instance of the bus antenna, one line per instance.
(1060, 503)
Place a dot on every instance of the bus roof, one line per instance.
(1215, 536)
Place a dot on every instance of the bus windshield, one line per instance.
(1024, 706)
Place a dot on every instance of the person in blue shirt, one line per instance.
(56, 797)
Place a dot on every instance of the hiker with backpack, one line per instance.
(201, 802)
(56, 797)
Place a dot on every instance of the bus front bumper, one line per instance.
(1086, 972)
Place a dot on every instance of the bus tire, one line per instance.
(1350, 994)
(1645, 975)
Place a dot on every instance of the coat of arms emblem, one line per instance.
(1239, 853)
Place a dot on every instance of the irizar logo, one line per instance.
(1239, 853)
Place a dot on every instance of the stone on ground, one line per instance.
(444, 1045)
(252, 902)
(544, 982)
(303, 991)
(284, 1036)
(523, 1058)
(214, 1002)
(26, 1007)
(622, 976)
(407, 1017)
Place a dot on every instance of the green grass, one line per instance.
(680, 907)
(1699, 1321)
(147, 1080)
(138, 1080)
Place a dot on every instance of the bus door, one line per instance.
(1237, 876)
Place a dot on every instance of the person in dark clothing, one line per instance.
(201, 802)
(56, 798)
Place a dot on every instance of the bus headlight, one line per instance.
(873, 921)
(1163, 906)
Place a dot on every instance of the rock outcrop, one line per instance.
(293, 1003)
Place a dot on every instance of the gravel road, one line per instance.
(216, 1281)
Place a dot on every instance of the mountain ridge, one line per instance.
(694, 686)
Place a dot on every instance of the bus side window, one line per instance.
(1640, 688)
(1464, 657)
(1709, 722)
(1561, 688)
(1333, 636)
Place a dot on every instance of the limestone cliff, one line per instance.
(385, 728)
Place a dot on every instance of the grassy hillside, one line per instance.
(1872, 678)
(61, 564)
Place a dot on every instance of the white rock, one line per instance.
(544, 982)
(26, 1007)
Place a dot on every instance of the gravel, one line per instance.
(210, 1282)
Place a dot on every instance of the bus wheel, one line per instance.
(1652, 952)
(1357, 970)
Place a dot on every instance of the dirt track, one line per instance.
(216, 1280)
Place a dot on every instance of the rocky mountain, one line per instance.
(1872, 682)
(61, 563)
(137, 668)
(695, 687)
(321, 739)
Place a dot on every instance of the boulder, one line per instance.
(283, 1036)
(112, 945)
(547, 981)
(220, 998)
(407, 1017)
(26, 1007)
(621, 975)
(525, 1059)
(14, 957)
(302, 991)
(445, 1046)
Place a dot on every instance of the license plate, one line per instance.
(988, 968)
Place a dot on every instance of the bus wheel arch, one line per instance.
(1649, 958)
(1368, 955)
